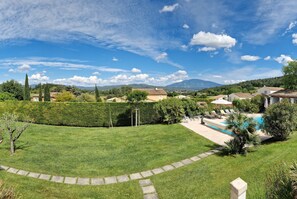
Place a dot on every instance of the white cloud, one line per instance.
(283, 59)
(217, 76)
(39, 77)
(186, 26)
(135, 70)
(11, 70)
(206, 49)
(124, 79)
(267, 58)
(249, 58)
(294, 38)
(212, 40)
(184, 47)
(161, 56)
(37, 62)
(96, 73)
(115, 59)
(169, 8)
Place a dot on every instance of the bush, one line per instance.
(280, 182)
(79, 114)
(7, 193)
(280, 120)
(190, 107)
(4, 96)
(170, 110)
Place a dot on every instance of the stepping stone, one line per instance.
(203, 155)
(195, 158)
(135, 176)
(44, 177)
(34, 175)
(158, 170)
(168, 167)
(12, 170)
(3, 167)
(144, 183)
(23, 173)
(151, 196)
(83, 181)
(70, 180)
(177, 164)
(97, 181)
(123, 178)
(187, 161)
(148, 189)
(146, 173)
(110, 180)
(58, 179)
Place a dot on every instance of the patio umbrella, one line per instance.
(221, 102)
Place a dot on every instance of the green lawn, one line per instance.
(211, 177)
(30, 188)
(92, 152)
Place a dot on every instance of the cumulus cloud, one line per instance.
(249, 58)
(267, 58)
(186, 26)
(115, 59)
(161, 56)
(206, 49)
(24, 67)
(283, 59)
(294, 41)
(212, 40)
(39, 77)
(169, 8)
(135, 70)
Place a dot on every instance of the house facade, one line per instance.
(239, 96)
(268, 90)
(35, 97)
(154, 94)
(278, 96)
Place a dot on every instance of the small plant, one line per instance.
(170, 110)
(7, 193)
(281, 182)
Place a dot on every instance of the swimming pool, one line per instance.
(259, 122)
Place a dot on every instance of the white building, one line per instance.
(268, 90)
(282, 94)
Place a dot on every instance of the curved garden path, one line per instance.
(110, 179)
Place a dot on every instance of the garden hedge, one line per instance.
(79, 114)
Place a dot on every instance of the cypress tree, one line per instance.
(47, 95)
(40, 93)
(27, 89)
(97, 96)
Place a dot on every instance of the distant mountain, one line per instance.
(192, 84)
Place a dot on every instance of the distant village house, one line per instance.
(240, 96)
(154, 94)
(35, 97)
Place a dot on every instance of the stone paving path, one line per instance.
(111, 179)
(148, 189)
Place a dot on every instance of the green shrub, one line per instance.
(279, 183)
(280, 120)
(190, 107)
(170, 110)
(79, 114)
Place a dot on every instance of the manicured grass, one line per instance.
(92, 152)
(29, 188)
(211, 177)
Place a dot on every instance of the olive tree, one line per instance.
(14, 130)
(280, 120)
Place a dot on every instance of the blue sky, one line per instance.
(87, 42)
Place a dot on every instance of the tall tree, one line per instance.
(27, 89)
(47, 94)
(13, 87)
(290, 75)
(97, 96)
(40, 93)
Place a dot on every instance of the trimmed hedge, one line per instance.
(79, 114)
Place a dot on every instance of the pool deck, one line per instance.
(213, 135)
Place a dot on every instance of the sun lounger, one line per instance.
(222, 112)
(216, 115)
(227, 111)
(209, 116)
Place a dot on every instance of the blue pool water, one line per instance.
(259, 120)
